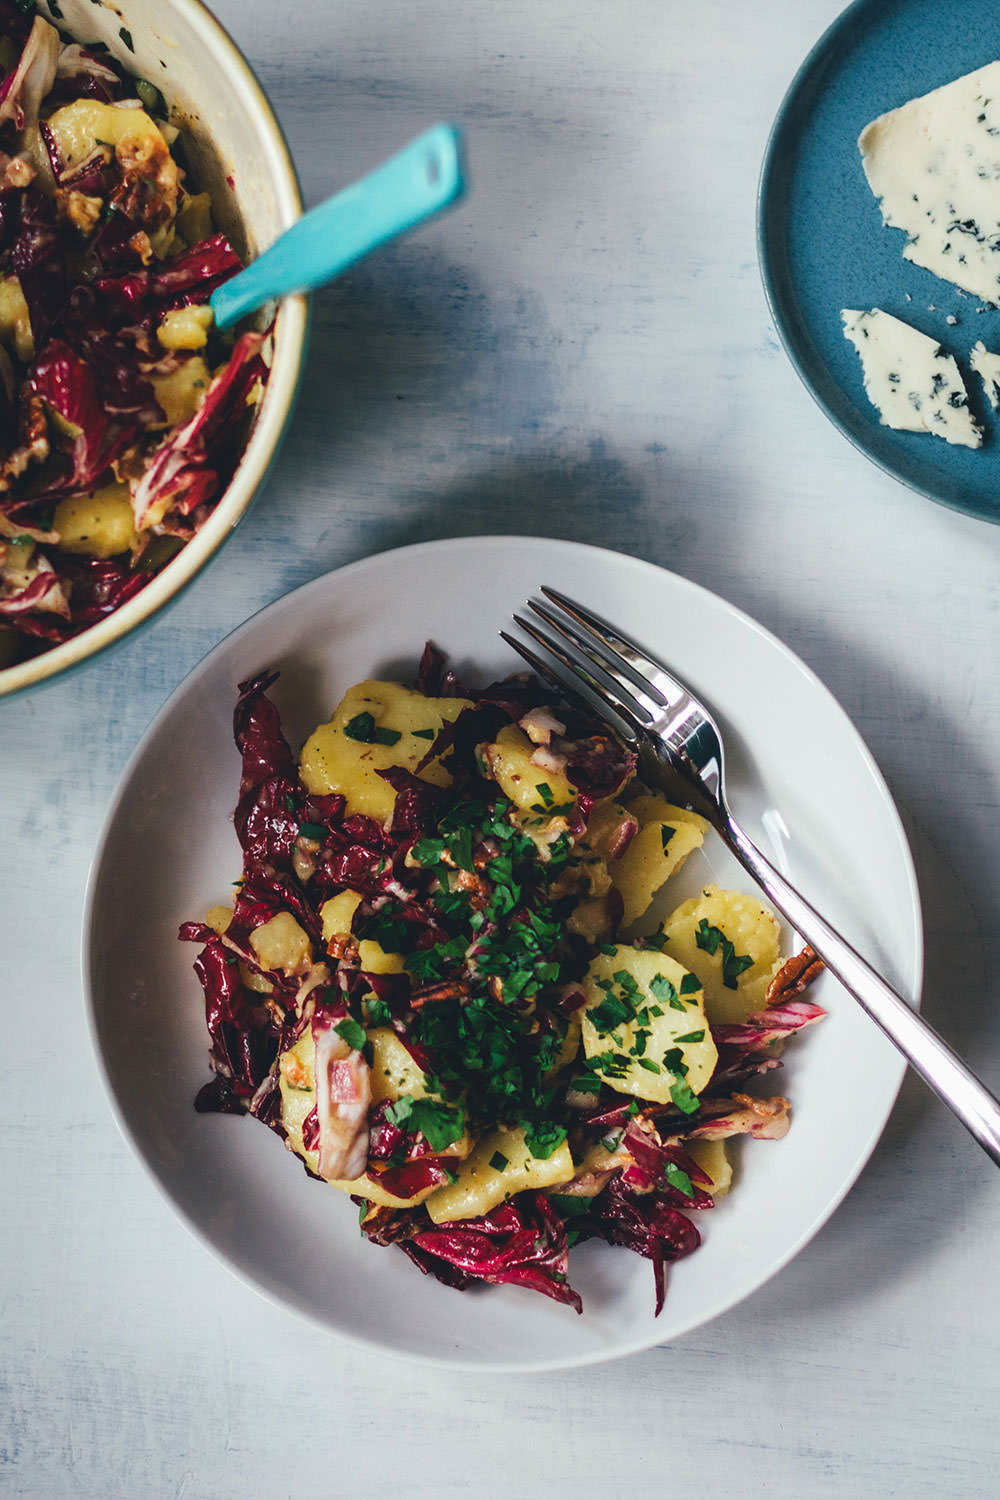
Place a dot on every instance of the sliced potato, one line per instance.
(394, 1070)
(337, 914)
(282, 944)
(481, 1185)
(79, 128)
(97, 525)
(530, 788)
(655, 853)
(712, 1158)
(182, 391)
(652, 807)
(669, 1019)
(185, 327)
(219, 918)
(733, 989)
(15, 320)
(345, 755)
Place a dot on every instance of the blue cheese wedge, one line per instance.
(934, 165)
(987, 367)
(909, 379)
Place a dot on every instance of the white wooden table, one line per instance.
(583, 350)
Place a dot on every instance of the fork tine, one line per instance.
(599, 694)
(534, 661)
(645, 671)
(638, 689)
(565, 689)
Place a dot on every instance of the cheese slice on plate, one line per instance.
(913, 384)
(934, 165)
(987, 367)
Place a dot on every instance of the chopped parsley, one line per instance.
(666, 834)
(379, 1011)
(684, 1097)
(713, 940)
(424, 734)
(364, 729)
(352, 1033)
(313, 831)
(498, 1161)
(442, 1124)
(544, 1138)
(661, 987)
(677, 1178)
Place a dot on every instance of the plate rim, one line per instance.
(766, 236)
(329, 580)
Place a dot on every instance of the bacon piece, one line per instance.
(343, 1094)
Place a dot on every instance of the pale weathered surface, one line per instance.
(582, 350)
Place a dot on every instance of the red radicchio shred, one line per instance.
(414, 1177)
(387, 1141)
(430, 673)
(243, 1048)
(38, 260)
(188, 278)
(521, 1243)
(644, 1222)
(598, 766)
(650, 1159)
(738, 1043)
(67, 384)
(417, 802)
(52, 149)
(181, 476)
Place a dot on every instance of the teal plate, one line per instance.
(823, 247)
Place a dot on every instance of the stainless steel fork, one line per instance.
(680, 750)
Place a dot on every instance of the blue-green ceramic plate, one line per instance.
(823, 247)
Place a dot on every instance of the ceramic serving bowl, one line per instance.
(237, 151)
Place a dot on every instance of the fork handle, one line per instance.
(927, 1053)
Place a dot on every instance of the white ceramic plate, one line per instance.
(801, 779)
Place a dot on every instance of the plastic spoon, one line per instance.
(423, 178)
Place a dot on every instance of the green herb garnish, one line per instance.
(712, 940)
(679, 1179)
(364, 729)
(352, 1033)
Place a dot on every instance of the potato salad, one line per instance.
(122, 411)
(440, 985)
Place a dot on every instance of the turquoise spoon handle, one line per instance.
(419, 181)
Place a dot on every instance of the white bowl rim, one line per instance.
(499, 1366)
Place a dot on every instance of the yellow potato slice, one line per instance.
(335, 759)
(282, 944)
(670, 1020)
(655, 853)
(530, 788)
(733, 990)
(481, 1185)
(712, 1158)
(97, 525)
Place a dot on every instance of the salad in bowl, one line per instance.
(126, 417)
